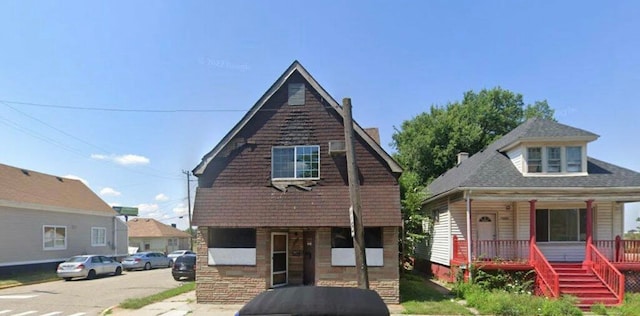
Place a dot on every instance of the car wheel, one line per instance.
(147, 266)
(176, 278)
(118, 271)
(67, 279)
(170, 264)
(92, 274)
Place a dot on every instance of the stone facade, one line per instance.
(230, 284)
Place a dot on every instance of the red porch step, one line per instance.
(583, 284)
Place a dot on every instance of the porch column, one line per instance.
(532, 226)
(589, 233)
(469, 250)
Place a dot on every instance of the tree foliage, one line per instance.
(427, 145)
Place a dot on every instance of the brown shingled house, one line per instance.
(147, 234)
(273, 199)
(45, 219)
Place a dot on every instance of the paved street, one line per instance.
(82, 297)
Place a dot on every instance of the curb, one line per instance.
(108, 310)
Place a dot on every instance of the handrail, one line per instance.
(499, 250)
(545, 272)
(606, 272)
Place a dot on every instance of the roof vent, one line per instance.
(26, 172)
(337, 147)
(59, 179)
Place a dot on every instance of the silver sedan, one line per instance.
(88, 266)
(146, 261)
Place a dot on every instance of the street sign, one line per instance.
(127, 211)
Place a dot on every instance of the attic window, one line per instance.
(296, 94)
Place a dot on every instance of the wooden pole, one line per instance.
(357, 228)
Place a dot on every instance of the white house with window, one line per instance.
(534, 195)
(46, 219)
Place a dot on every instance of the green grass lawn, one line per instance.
(417, 297)
(24, 278)
(136, 303)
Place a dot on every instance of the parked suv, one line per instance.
(184, 267)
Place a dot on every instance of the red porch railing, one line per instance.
(547, 279)
(619, 250)
(606, 272)
(503, 251)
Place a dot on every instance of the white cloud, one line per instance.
(180, 210)
(161, 197)
(124, 160)
(70, 176)
(109, 192)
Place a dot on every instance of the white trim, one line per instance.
(231, 256)
(55, 227)
(286, 253)
(104, 229)
(295, 163)
(346, 257)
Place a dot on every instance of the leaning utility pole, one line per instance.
(355, 212)
(189, 207)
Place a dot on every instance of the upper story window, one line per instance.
(296, 94)
(534, 159)
(574, 159)
(554, 159)
(296, 162)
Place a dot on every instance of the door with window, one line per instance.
(279, 258)
(486, 226)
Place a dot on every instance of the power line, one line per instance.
(112, 109)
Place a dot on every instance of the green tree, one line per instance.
(428, 143)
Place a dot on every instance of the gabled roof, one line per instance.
(295, 67)
(491, 168)
(26, 188)
(149, 227)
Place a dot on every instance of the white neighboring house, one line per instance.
(45, 219)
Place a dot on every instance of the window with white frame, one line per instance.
(54, 237)
(574, 159)
(554, 159)
(98, 236)
(295, 162)
(534, 159)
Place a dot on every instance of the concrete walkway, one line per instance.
(184, 304)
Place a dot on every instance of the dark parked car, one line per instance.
(184, 267)
(316, 300)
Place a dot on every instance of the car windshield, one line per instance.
(77, 259)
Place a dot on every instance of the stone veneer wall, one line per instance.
(231, 284)
(384, 280)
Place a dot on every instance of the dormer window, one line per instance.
(554, 159)
(574, 159)
(534, 159)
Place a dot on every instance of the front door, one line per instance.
(279, 254)
(486, 226)
(309, 274)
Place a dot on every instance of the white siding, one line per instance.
(562, 251)
(603, 229)
(441, 248)
(618, 220)
(504, 218)
(516, 157)
(522, 220)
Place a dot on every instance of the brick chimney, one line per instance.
(374, 133)
(462, 156)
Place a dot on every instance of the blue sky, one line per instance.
(394, 59)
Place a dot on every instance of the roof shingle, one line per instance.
(149, 227)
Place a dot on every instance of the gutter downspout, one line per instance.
(469, 236)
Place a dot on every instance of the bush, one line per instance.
(560, 307)
(599, 309)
